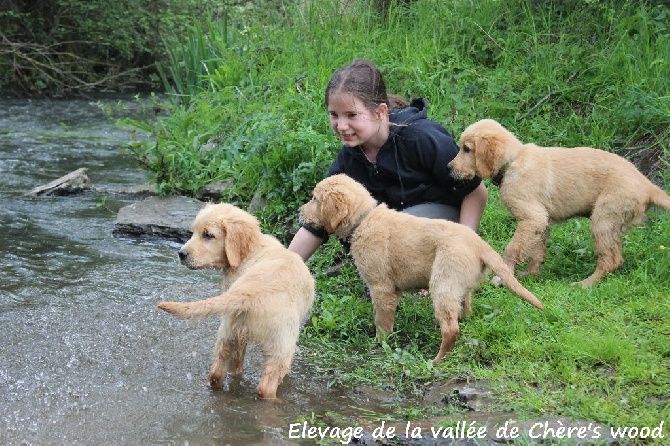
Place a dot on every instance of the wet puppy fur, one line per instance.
(541, 186)
(394, 251)
(266, 293)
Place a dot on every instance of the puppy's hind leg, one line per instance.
(229, 352)
(466, 306)
(275, 367)
(447, 306)
(607, 242)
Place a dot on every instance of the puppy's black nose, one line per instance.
(183, 255)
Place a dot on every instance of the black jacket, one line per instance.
(411, 166)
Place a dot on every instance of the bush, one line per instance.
(64, 47)
(247, 96)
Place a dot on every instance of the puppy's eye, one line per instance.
(207, 235)
(466, 148)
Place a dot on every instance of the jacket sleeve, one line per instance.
(439, 148)
(318, 232)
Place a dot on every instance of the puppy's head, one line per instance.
(223, 236)
(337, 203)
(485, 147)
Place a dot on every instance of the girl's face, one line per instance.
(357, 125)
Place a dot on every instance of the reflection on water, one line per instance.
(86, 357)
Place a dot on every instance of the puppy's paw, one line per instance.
(496, 281)
(215, 380)
(586, 283)
(267, 388)
(266, 394)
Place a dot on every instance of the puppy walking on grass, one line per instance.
(267, 292)
(394, 252)
(541, 186)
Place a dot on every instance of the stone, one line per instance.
(158, 217)
(471, 395)
(73, 183)
(137, 191)
(214, 191)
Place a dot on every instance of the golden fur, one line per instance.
(546, 185)
(394, 251)
(267, 292)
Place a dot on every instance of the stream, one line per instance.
(86, 357)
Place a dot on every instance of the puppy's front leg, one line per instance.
(537, 256)
(385, 303)
(524, 243)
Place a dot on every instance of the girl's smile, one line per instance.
(357, 125)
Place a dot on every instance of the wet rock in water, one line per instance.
(465, 394)
(138, 191)
(73, 183)
(158, 217)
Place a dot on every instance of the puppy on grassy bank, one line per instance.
(394, 252)
(267, 292)
(541, 186)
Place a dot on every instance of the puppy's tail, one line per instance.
(659, 197)
(493, 260)
(225, 304)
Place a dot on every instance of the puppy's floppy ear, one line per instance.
(487, 155)
(334, 209)
(239, 237)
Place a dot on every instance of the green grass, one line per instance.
(599, 355)
(248, 105)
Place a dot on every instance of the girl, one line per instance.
(395, 152)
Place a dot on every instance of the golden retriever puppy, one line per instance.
(267, 292)
(545, 185)
(394, 251)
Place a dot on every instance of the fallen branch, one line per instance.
(39, 68)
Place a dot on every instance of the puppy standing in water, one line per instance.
(394, 251)
(267, 292)
(541, 186)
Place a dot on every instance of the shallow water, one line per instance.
(85, 356)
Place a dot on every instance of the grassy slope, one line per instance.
(599, 354)
(556, 73)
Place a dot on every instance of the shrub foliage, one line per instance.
(247, 94)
